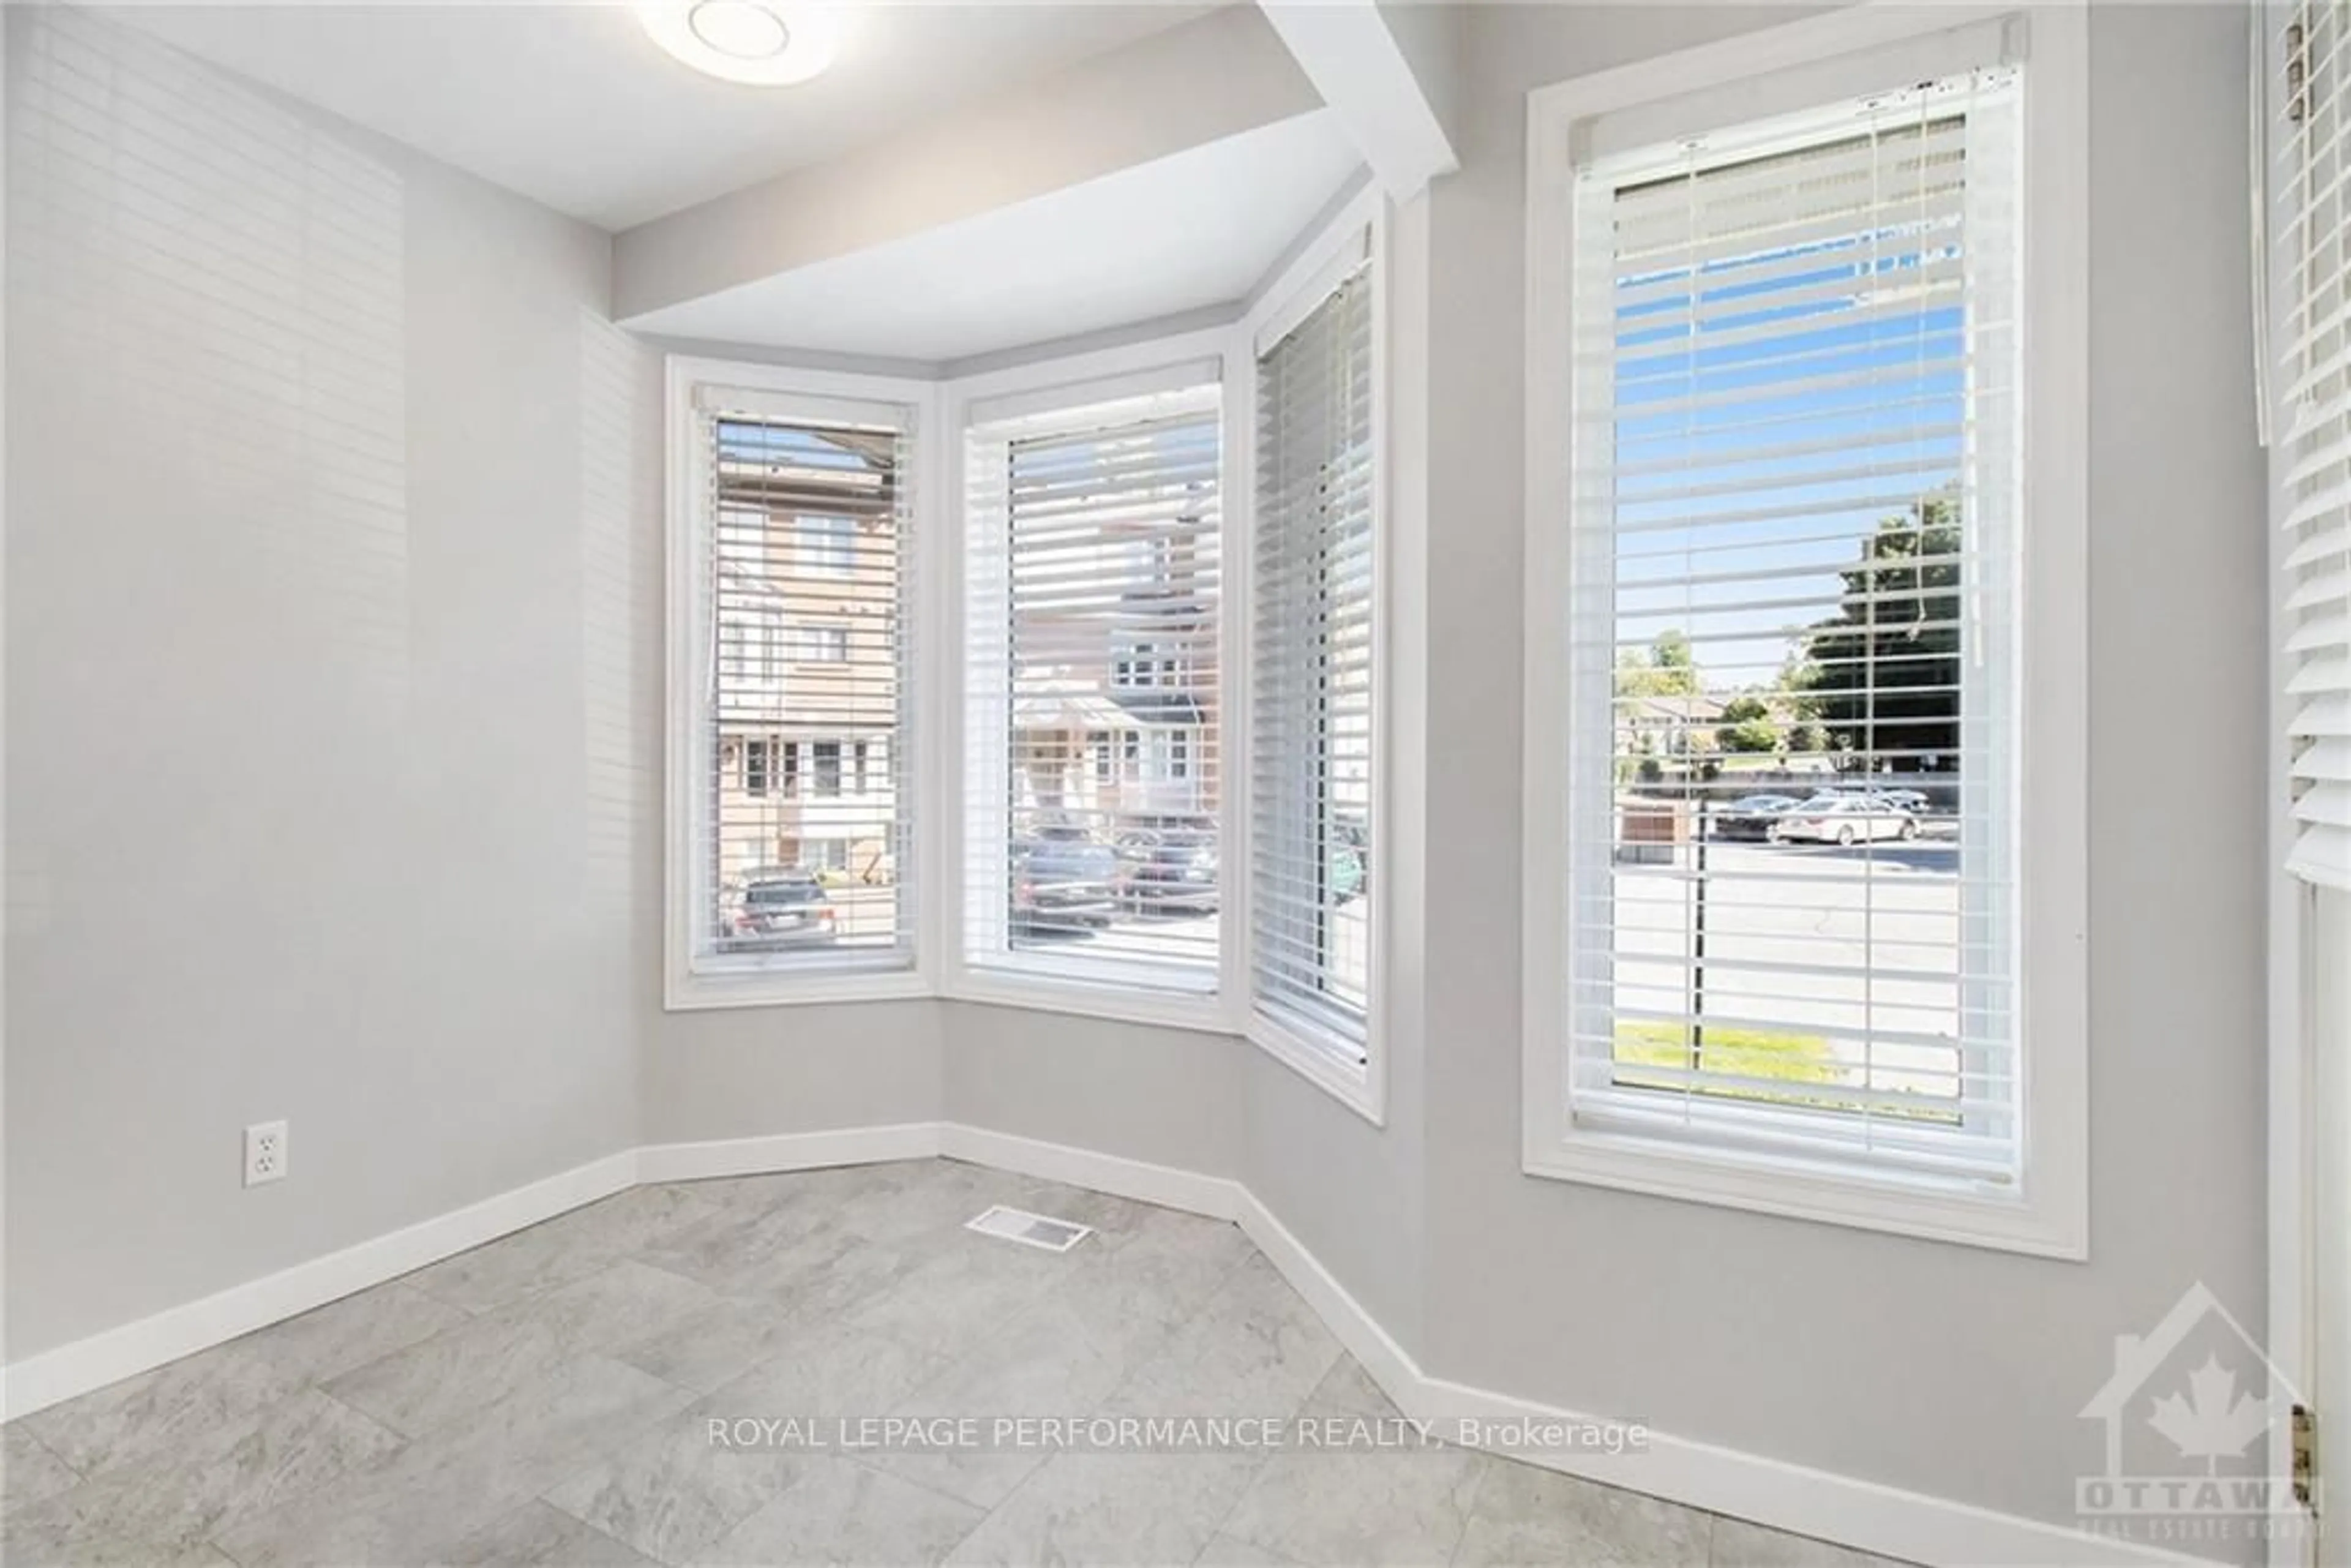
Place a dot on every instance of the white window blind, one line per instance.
(2313, 426)
(1311, 803)
(1793, 639)
(1094, 767)
(803, 595)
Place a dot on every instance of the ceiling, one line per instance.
(572, 106)
(1199, 229)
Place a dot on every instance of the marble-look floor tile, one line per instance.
(831, 1369)
(430, 1498)
(1112, 1217)
(840, 1512)
(1164, 1269)
(935, 1205)
(559, 1250)
(1231, 1552)
(616, 1306)
(832, 1286)
(485, 1358)
(736, 1248)
(175, 1501)
(829, 1188)
(674, 1492)
(455, 1374)
(1255, 1348)
(161, 1412)
(28, 1471)
(964, 1289)
(1527, 1517)
(1739, 1544)
(1061, 1357)
(715, 1344)
(1361, 1506)
(1348, 1390)
(25, 1550)
(1112, 1509)
(369, 1326)
(536, 1535)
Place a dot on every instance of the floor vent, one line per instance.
(1030, 1230)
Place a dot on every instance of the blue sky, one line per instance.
(1897, 404)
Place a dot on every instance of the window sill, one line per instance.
(1324, 1063)
(1762, 1184)
(1081, 999)
(690, 992)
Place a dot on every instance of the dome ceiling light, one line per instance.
(762, 43)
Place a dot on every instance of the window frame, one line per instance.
(1295, 293)
(2047, 1212)
(857, 975)
(1073, 381)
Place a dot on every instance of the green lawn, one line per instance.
(1747, 1053)
(1786, 1056)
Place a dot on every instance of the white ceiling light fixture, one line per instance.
(760, 43)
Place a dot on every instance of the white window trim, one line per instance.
(2048, 1214)
(1301, 286)
(1078, 379)
(854, 976)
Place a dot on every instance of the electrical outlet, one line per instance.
(265, 1152)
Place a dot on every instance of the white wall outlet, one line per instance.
(265, 1152)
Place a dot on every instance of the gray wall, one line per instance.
(742, 1073)
(327, 636)
(1950, 1370)
(1169, 1096)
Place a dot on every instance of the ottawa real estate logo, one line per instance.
(2194, 1417)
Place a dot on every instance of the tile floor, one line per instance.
(545, 1399)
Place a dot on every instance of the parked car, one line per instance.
(776, 910)
(1064, 883)
(1910, 800)
(1173, 874)
(1141, 829)
(1754, 817)
(1058, 828)
(1845, 820)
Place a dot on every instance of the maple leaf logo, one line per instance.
(2213, 1422)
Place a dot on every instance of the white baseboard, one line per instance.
(789, 1152)
(1218, 1198)
(1388, 1362)
(1865, 1514)
(54, 1376)
(1884, 1520)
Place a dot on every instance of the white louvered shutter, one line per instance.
(1094, 766)
(1311, 850)
(1796, 500)
(805, 833)
(2313, 426)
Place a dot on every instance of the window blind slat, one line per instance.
(1792, 634)
(2313, 375)
(1310, 776)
